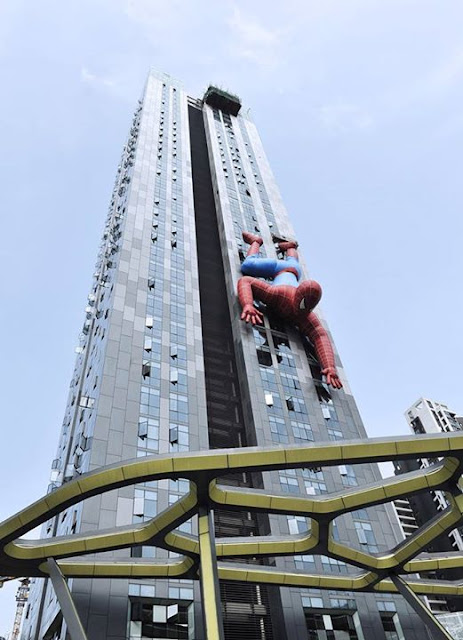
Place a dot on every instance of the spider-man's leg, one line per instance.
(289, 247)
(254, 241)
(259, 267)
(254, 265)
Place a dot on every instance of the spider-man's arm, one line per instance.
(246, 298)
(313, 329)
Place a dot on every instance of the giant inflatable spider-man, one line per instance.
(291, 300)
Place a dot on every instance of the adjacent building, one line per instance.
(429, 416)
(165, 364)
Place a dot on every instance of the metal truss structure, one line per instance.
(57, 557)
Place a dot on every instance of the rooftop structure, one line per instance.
(223, 100)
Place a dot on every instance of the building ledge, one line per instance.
(220, 99)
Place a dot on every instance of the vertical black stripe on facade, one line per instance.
(225, 418)
(249, 612)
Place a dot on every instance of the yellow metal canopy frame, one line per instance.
(376, 572)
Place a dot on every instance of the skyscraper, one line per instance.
(165, 364)
(428, 416)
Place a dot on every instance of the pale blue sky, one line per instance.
(359, 105)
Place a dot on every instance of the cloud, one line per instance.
(433, 85)
(449, 73)
(90, 78)
(252, 40)
(344, 117)
(11, 20)
(163, 20)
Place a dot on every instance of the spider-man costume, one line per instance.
(284, 295)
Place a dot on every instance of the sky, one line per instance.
(359, 106)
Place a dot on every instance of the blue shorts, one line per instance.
(271, 268)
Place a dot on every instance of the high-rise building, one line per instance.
(428, 416)
(165, 364)
(409, 526)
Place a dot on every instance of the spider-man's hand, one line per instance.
(332, 377)
(251, 314)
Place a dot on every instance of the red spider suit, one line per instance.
(291, 300)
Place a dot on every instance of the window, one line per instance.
(178, 407)
(328, 410)
(260, 337)
(180, 486)
(149, 400)
(143, 552)
(360, 514)
(143, 428)
(138, 507)
(290, 403)
(144, 505)
(281, 343)
(333, 565)
(264, 357)
(290, 382)
(342, 603)
(288, 481)
(304, 562)
(268, 379)
(181, 593)
(178, 437)
(293, 403)
(417, 426)
(348, 476)
(314, 481)
(366, 535)
(330, 626)
(323, 392)
(311, 602)
(298, 524)
(86, 402)
(278, 429)
(301, 431)
(390, 620)
(162, 618)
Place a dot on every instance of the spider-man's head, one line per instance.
(308, 295)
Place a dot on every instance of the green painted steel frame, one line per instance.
(20, 557)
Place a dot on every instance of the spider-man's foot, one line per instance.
(284, 246)
(250, 238)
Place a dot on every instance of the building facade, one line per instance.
(165, 364)
(409, 526)
(428, 416)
